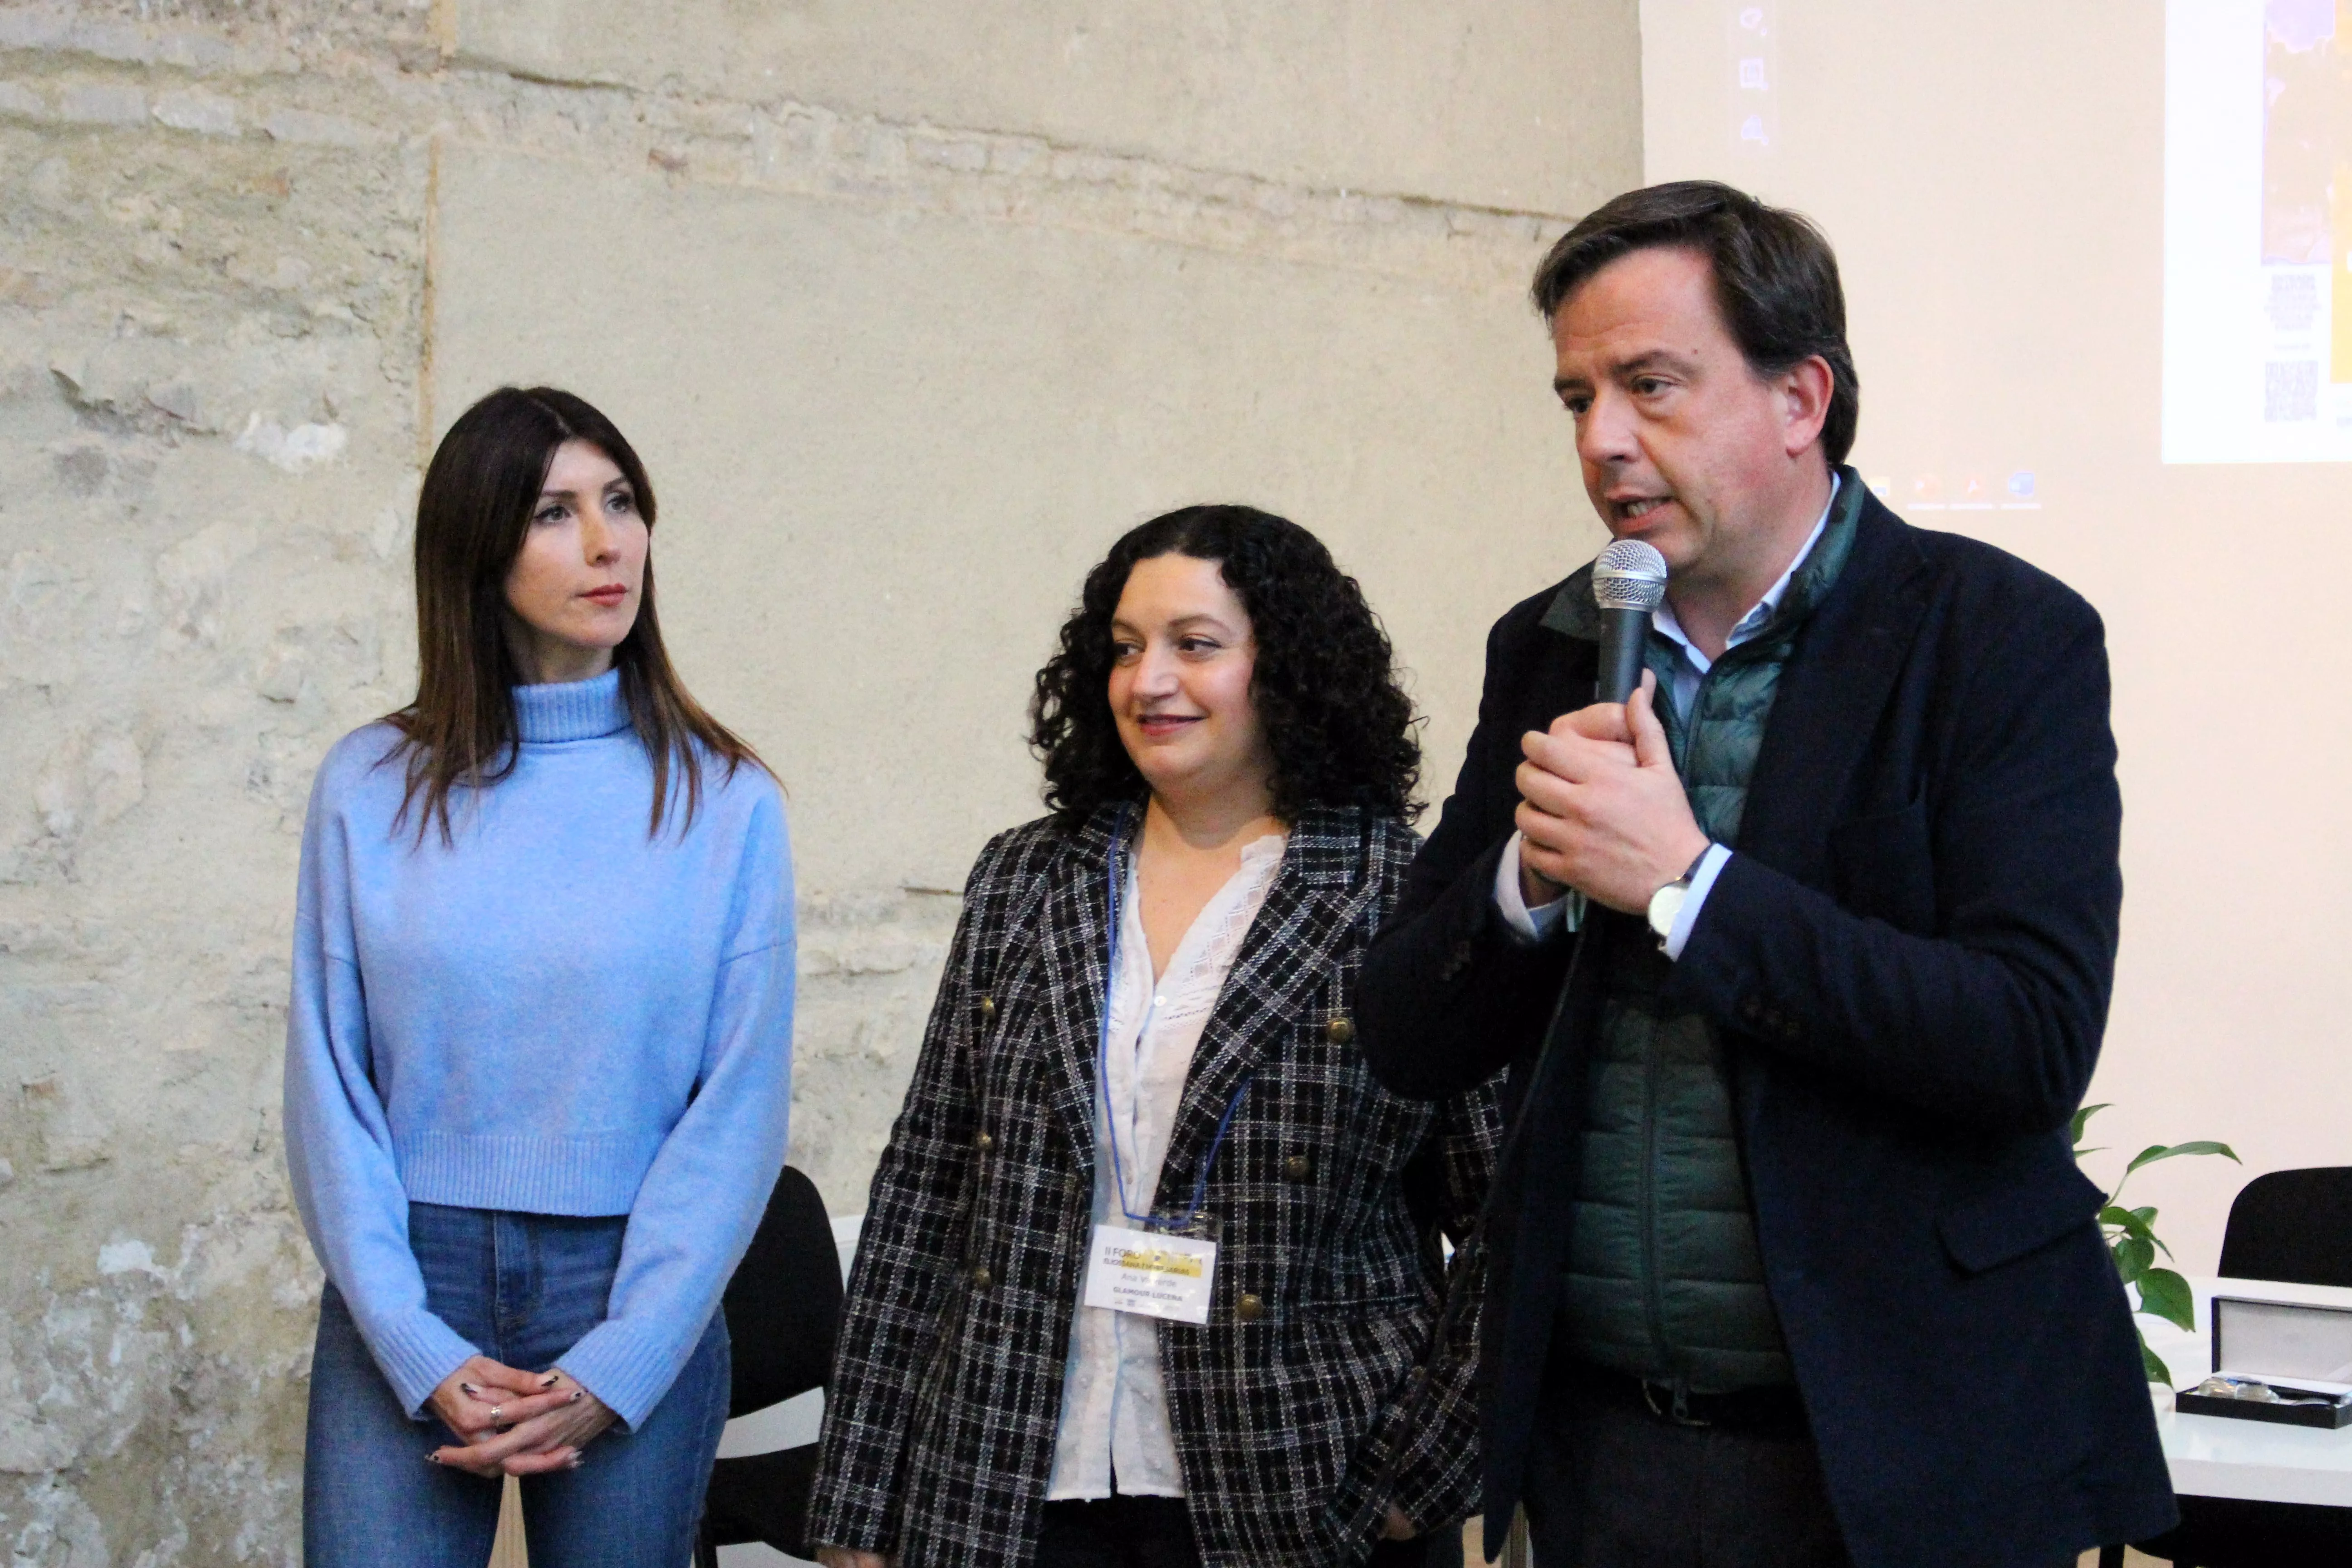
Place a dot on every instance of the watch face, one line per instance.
(1664, 905)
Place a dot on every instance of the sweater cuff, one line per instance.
(418, 1352)
(626, 1366)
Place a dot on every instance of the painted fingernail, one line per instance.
(432, 1459)
(468, 1388)
(550, 1380)
(575, 1397)
(574, 1463)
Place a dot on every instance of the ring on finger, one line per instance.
(495, 1409)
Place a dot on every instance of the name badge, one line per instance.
(1164, 1274)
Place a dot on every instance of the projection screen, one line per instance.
(2095, 256)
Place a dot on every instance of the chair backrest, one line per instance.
(784, 1306)
(2291, 1225)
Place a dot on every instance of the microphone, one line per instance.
(1628, 583)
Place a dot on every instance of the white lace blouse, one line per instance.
(1113, 1407)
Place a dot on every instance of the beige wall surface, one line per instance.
(1513, 104)
(1993, 179)
(889, 444)
(910, 311)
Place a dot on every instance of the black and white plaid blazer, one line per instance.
(1313, 1398)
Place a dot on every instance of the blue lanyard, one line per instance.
(1102, 1073)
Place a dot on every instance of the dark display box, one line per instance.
(2339, 1414)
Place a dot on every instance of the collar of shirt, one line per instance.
(1693, 664)
(1156, 1023)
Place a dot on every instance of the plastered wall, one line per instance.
(910, 310)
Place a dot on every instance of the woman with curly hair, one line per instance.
(1152, 1269)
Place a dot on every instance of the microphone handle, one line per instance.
(1624, 635)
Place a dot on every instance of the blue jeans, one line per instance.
(524, 1288)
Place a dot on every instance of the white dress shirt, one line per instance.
(1114, 1405)
(1564, 912)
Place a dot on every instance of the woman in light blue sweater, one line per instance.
(538, 1059)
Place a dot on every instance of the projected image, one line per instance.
(1978, 487)
(2258, 232)
(1752, 40)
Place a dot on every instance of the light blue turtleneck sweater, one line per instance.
(554, 1013)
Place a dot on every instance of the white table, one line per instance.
(2215, 1456)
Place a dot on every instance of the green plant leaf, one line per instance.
(2139, 1223)
(2135, 1255)
(2153, 1364)
(2154, 1152)
(2082, 1119)
(2164, 1294)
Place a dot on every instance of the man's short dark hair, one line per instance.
(1776, 279)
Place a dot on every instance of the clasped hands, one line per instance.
(515, 1423)
(1600, 807)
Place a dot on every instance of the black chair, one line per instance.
(783, 1308)
(2294, 1226)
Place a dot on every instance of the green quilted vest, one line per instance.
(1663, 1277)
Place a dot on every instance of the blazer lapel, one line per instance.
(1825, 713)
(1316, 896)
(1074, 960)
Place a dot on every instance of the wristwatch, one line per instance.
(1666, 903)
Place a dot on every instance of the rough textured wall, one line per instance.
(911, 308)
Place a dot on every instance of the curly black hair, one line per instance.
(1325, 684)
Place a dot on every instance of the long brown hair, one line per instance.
(471, 518)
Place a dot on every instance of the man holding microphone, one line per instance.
(1800, 961)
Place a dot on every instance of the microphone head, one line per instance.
(1630, 576)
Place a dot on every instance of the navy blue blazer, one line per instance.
(1908, 959)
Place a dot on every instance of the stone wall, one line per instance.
(910, 310)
